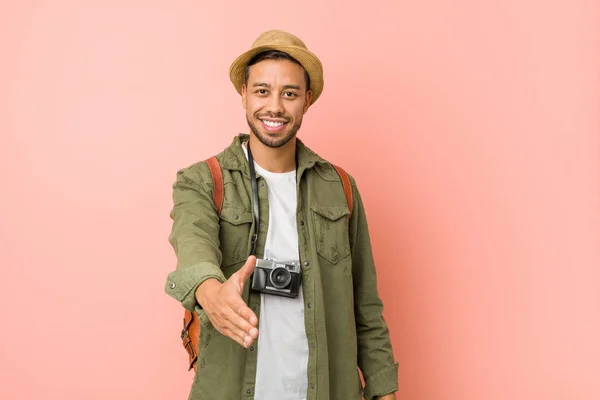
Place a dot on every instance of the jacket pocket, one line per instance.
(234, 235)
(331, 232)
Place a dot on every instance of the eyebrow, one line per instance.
(263, 84)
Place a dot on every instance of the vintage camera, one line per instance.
(276, 277)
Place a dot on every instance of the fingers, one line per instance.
(233, 336)
(248, 315)
(244, 342)
(237, 328)
(244, 321)
(247, 269)
(241, 328)
(234, 319)
(248, 325)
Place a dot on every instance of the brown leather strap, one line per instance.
(347, 187)
(217, 177)
(189, 337)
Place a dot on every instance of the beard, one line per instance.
(274, 142)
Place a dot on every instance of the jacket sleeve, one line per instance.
(194, 235)
(375, 356)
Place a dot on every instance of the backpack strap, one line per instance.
(347, 187)
(217, 178)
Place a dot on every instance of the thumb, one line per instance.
(246, 270)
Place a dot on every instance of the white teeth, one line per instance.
(272, 124)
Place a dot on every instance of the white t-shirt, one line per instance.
(282, 359)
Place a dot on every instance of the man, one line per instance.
(259, 345)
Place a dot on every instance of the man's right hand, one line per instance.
(225, 307)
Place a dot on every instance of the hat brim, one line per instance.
(308, 60)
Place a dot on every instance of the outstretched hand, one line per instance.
(226, 309)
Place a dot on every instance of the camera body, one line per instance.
(276, 277)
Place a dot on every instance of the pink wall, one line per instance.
(472, 128)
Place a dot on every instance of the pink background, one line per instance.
(472, 128)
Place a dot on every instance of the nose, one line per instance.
(275, 104)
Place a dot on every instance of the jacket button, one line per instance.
(251, 348)
(172, 285)
(306, 264)
(248, 391)
(309, 305)
(236, 217)
(301, 223)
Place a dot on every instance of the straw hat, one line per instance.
(288, 43)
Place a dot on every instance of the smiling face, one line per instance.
(275, 98)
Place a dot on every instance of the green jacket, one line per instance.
(343, 312)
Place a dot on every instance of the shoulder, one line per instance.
(196, 174)
(332, 172)
(324, 168)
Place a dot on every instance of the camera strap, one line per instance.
(254, 198)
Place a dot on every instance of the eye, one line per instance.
(261, 91)
(290, 94)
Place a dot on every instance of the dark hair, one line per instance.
(273, 55)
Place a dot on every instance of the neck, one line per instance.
(277, 160)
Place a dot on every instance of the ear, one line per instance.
(244, 93)
(307, 100)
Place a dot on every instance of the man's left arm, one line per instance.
(375, 356)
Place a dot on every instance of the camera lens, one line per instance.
(280, 278)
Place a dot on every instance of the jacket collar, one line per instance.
(233, 157)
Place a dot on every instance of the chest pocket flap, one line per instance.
(234, 235)
(236, 215)
(332, 213)
(331, 232)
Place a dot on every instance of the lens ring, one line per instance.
(280, 277)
